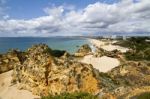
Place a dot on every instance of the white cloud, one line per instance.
(55, 11)
(122, 17)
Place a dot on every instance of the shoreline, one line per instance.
(107, 45)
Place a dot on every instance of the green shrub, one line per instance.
(56, 53)
(76, 95)
(141, 48)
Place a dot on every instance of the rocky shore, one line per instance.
(42, 71)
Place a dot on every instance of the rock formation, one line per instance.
(83, 50)
(132, 73)
(101, 52)
(129, 77)
(44, 74)
(8, 60)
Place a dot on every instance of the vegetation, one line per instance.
(145, 95)
(76, 95)
(56, 53)
(140, 48)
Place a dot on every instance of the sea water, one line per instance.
(70, 44)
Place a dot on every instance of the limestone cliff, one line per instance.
(43, 74)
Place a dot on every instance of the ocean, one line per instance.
(70, 44)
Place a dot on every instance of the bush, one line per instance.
(76, 95)
(140, 48)
(55, 53)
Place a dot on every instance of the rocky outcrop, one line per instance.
(83, 50)
(132, 73)
(129, 76)
(101, 52)
(43, 74)
(10, 59)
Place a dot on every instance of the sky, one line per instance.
(19, 18)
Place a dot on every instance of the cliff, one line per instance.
(43, 74)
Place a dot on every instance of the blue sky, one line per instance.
(74, 17)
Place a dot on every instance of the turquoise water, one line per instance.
(69, 44)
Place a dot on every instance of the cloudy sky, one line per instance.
(74, 17)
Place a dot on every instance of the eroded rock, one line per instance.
(83, 50)
(43, 74)
(10, 59)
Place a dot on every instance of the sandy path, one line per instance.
(11, 92)
(103, 64)
(113, 47)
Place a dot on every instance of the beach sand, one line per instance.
(8, 91)
(103, 64)
(107, 45)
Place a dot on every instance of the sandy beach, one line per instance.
(103, 64)
(107, 45)
(8, 91)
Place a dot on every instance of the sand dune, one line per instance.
(103, 64)
(8, 91)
